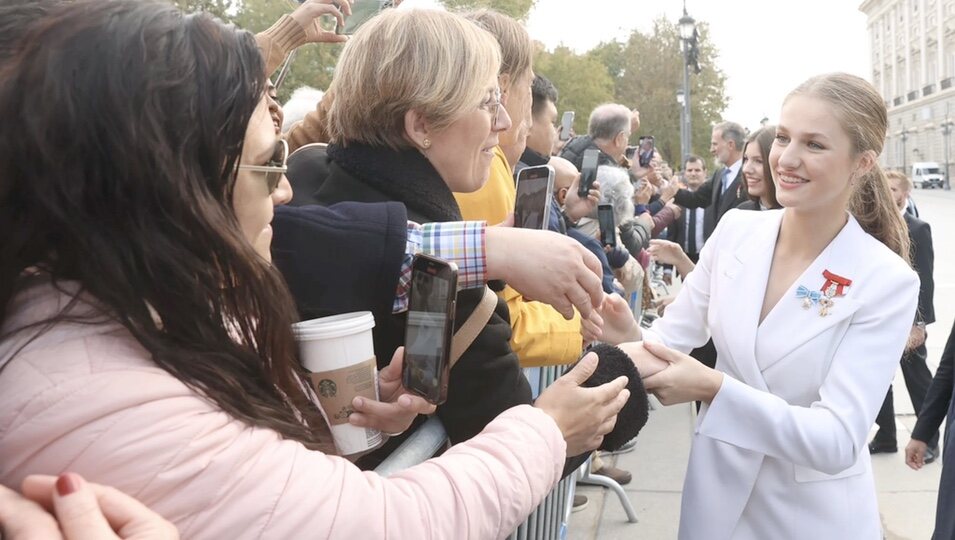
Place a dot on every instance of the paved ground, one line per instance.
(906, 497)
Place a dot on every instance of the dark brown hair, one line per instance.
(119, 179)
(763, 137)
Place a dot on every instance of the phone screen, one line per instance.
(608, 228)
(646, 150)
(361, 12)
(588, 171)
(566, 124)
(534, 191)
(428, 328)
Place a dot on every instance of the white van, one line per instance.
(927, 174)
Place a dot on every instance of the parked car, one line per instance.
(927, 174)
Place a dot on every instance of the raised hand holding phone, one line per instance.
(309, 16)
(588, 171)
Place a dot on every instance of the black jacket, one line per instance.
(487, 379)
(923, 259)
(678, 232)
(574, 150)
(937, 402)
(708, 196)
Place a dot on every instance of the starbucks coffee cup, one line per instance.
(339, 354)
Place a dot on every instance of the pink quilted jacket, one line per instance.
(88, 399)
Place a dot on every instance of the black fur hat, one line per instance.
(614, 363)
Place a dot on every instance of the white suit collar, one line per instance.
(788, 325)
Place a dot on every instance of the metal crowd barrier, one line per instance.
(547, 522)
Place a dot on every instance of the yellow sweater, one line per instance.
(539, 334)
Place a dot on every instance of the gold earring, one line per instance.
(426, 143)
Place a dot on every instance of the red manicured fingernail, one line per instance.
(67, 483)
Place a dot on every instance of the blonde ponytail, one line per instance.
(875, 210)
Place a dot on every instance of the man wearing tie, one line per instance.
(723, 190)
(688, 229)
(914, 370)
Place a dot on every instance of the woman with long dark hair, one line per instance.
(757, 174)
(146, 339)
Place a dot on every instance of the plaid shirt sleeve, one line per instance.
(460, 242)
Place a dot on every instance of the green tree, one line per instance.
(582, 81)
(647, 71)
(219, 8)
(513, 8)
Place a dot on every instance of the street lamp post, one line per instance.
(681, 99)
(903, 136)
(946, 131)
(688, 40)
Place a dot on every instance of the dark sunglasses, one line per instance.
(276, 167)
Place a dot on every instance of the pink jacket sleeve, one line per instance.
(92, 407)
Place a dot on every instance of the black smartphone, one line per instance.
(608, 227)
(535, 189)
(566, 124)
(630, 152)
(430, 323)
(588, 172)
(361, 12)
(646, 150)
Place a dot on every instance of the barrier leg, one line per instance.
(595, 479)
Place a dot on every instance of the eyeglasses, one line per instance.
(493, 106)
(275, 168)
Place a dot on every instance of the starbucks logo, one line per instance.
(327, 388)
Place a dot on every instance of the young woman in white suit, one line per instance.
(809, 308)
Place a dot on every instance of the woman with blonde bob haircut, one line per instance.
(810, 307)
(410, 61)
(416, 115)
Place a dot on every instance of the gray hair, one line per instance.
(303, 101)
(609, 119)
(731, 131)
(616, 190)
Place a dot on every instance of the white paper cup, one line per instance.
(339, 353)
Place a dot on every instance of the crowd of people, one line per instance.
(166, 220)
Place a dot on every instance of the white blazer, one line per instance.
(781, 450)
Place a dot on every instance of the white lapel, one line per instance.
(789, 325)
(744, 282)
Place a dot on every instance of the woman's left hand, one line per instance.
(618, 324)
(397, 408)
(686, 379)
(309, 15)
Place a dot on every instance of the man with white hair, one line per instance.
(609, 132)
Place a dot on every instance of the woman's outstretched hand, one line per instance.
(685, 379)
(584, 415)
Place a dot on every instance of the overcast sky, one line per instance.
(767, 47)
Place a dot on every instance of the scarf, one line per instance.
(405, 176)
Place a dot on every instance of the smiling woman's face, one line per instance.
(462, 152)
(812, 157)
(251, 200)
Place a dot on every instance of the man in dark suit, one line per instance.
(722, 191)
(687, 230)
(914, 370)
